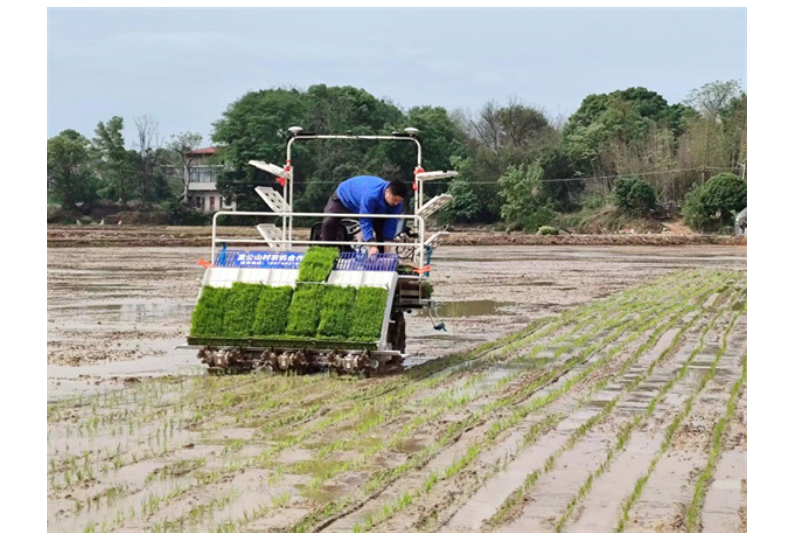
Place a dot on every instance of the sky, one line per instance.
(184, 67)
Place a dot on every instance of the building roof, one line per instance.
(208, 151)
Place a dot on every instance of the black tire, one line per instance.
(400, 334)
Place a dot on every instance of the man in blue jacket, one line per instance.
(366, 195)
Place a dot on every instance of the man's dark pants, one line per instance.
(332, 227)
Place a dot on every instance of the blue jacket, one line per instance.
(366, 195)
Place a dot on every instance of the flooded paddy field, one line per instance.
(578, 388)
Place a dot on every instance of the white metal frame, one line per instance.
(288, 243)
(289, 186)
(287, 174)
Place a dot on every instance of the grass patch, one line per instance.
(334, 318)
(368, 313)
(317, 264)
(303, 315)
(240, 313)
(271, 311)
(208, 316)
(671, 429)
(694, 511)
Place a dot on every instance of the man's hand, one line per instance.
(373, 251)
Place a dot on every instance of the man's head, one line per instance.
(396, 192)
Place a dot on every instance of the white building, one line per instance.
(201, 177)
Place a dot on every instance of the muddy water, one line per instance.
(126, 308)
(463, 309)
(235, 445)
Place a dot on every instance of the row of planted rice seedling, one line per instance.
(500, 426)
(507, 401)
(312, 309)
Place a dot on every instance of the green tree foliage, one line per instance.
(634, 196)
(114, 161)
(714, 205)
(606, 123)
(714, 98)
(631, 132)
(69, 169)
(526, 203)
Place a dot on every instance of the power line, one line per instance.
(550, 180)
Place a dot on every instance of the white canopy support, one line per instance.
(275, 170)
(435, 175)
(271, 233)
(435, 239)
(273, 199)
(434, 204)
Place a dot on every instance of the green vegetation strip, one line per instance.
(317, 264)
(208, 316)
(516, 497)
(520, 413)
(240, 309)
(625, 433)
(303, 314)
(267, 315)
(271, 311)
(671, 431)
(330, 512)
(694, 512)
(334, 317)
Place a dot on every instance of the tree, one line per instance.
(734, 117)
(69, 169)
(497, 138)
(465, 206)
(714, 98)
(468, 204)
(557, 165)
(149, 160)
(113, 161)
(254, 127)
(606, 125)
(716, 138)
(513, 129)
(526, 204)
(183, 145)
(647, 104)
(521, 126)
(634, 196)
(677, 116)
(338, 109)
(616, 125)
(714, 205)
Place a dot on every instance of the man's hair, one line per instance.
(398, 188)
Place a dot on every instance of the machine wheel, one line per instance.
(399, 334)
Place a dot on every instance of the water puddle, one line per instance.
(409, 446)
(129, 312)
(322, 495)
(467, 308)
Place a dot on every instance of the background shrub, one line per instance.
(634, 196)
